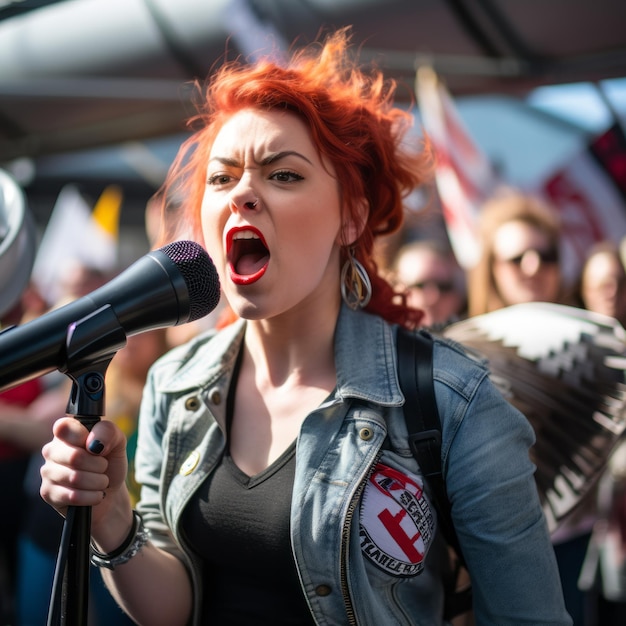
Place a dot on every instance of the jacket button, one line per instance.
(322, 590)
(192, 403)
(366, 434)
(190, 464)
(215, 396)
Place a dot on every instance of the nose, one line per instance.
(243, 196)
(236, 206)
(431, 293)
(531, 262)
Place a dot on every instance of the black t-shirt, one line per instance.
(239, 526)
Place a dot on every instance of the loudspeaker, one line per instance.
(18, 242)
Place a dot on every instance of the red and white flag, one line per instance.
(589, 192)
(464, 175)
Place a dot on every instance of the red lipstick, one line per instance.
(247, 254)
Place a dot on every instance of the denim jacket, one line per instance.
(362, 530)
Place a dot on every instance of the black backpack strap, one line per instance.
(415, 371)
(415, 366)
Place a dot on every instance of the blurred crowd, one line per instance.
(521, 262)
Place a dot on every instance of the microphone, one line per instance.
(173, 285)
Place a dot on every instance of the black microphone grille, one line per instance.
(199, 274)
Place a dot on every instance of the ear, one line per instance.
(353, 225)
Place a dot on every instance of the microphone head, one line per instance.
(199, 274)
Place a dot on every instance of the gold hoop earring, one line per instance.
(356, 287)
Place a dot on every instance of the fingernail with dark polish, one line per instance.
(96, 446)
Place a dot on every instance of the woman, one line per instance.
(270, 452)
(603, 281)
(603, 290)
(519, 261)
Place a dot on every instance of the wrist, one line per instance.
(134, 541)
(111, 521)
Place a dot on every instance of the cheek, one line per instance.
(212, 241)
(502, 276)
(214, 249)
(415, 299)
(212, 223)
(314, 229)
(550, 276)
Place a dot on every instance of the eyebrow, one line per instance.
(268, 160)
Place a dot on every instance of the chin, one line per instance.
(248, 310)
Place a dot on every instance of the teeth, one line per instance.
(245, 234)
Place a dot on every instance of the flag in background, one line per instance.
(588, 191)
(76, 235)
(464, 175)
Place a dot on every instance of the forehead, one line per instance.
(423, 262)
(262, 130)
(601, 264)
(517, 236)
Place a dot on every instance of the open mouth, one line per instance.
(248, 255)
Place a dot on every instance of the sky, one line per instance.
(529, 140)
(586, 104)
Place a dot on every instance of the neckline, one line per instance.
(251, 481)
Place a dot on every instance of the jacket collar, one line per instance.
(204, 359)
(365, 356)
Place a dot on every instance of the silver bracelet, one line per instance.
(136, 539)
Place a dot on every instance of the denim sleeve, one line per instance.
(149, 463)
(497, 513)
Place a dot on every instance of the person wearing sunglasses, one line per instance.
(428, 272)
(519, 261)
(520, 237)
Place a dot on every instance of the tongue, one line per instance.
(250, 263)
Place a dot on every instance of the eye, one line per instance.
(219, 179)
(286, 176)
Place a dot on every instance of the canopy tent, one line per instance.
(83, 73)
(98, 91)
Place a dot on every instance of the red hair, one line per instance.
(355, 126)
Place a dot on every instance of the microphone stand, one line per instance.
(91, 344)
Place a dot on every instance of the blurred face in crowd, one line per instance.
(433, 284)
(603, 286)
(525, 264)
